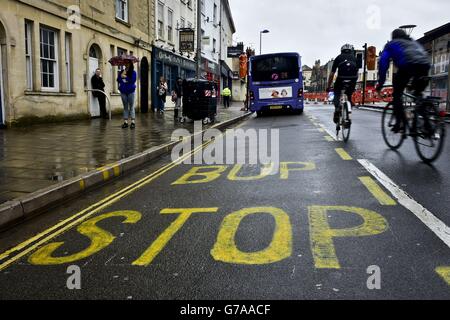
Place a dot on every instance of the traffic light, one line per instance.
(243, 66)
(371, 58)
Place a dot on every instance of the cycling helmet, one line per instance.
(347, 48)
(399, 34)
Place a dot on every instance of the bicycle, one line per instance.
(345, 109)
(424, 123)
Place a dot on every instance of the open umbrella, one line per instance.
(121, 60)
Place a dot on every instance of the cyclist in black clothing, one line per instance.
(347, 68)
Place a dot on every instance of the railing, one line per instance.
(107, 98)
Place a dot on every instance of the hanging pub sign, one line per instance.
(235, 52)
(187, 40)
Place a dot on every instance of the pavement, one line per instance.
(337, 221)
(39, 156)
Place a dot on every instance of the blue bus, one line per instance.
(276, 83)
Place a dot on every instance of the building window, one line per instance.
(49, 60)
(214, 45)
(170, 25)
(29, 53)
(161, 21)
(122, 10)
(68, 58)
(215, 14)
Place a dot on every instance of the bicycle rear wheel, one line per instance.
(392, 139)
(345, 125)
(429, 138)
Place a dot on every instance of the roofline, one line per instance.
(230, 15)
(435, 33)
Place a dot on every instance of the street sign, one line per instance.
(187, 40)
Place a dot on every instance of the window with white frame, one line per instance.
(49, 59)
(68, 60)
(29, 53)
(170, 25)
(122, 10)
(160, 21)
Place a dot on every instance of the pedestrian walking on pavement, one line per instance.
(127, 87)
(162, 94)
(178, 97)
(98, 84)
(226, 94)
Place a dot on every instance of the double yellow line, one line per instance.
(31, 244)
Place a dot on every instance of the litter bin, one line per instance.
(199, 100)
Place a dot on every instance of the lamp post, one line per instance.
(260, 40)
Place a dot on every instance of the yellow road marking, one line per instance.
(444, 272)
(66, 224)
(321, 130)
(265, 171)
(304, 166)
(343, 154)
(377, 192)
(207, 174)
(150, 254)
(280, 248)
(100, 239)
(321, 235)
(329, 139)
(82, 184)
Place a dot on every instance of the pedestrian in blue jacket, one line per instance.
(127, 87)
(412, 62)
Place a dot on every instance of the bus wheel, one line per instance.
(259, 114)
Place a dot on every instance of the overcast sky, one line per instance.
(318, 28)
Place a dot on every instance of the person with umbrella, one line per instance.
(127, 86)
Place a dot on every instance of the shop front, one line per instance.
(171, 66)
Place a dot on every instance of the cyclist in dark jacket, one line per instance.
(347, 69)
(412, 62)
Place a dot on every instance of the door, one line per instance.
(94, 106)
(2, 101)
(144, 85)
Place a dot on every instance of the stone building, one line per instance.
(50, 49)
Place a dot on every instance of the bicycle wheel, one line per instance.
(345, 125)
(429, 138)
(393, 140)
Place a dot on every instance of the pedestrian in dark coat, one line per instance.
(98, 84)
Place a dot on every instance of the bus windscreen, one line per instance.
(275, 68)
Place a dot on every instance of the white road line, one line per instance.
(438, 227)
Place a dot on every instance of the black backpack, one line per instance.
(348, 70)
